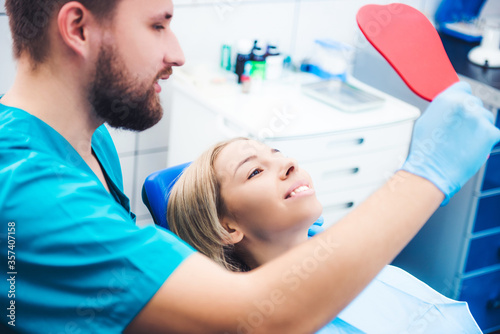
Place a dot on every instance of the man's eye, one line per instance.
(255, 172)
(158, 27)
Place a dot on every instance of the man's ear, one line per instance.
(73, 20)
(233, 229)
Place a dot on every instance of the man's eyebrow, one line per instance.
(243, 162)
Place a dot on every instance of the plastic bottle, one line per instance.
(225, 61)
(245, 78)
(258, 59)
(274, 62)
(244, 50)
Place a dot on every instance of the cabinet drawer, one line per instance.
(488, 213)
(482, 293)
(346, 143)
(483, 252)
(491, 178)
(337, 204)
(336, 174)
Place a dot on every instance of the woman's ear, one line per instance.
(233, 229)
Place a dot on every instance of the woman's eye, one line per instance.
(255, 172)
(158, 27)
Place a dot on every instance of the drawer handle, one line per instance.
(493, 304)
(345, 142)
(340, 172)
(341, 206)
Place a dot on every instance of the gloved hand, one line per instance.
(452, 140)
(316, 227)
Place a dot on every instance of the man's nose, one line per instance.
(174, 56)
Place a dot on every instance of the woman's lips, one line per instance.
(299, 188)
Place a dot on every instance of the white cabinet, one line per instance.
(348, 154)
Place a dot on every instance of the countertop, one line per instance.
(458, 50)
(283, 99)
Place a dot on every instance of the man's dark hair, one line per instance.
(30, 19)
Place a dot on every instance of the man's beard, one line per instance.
(118, 99)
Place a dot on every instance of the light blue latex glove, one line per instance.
(452, 140)
(316, 227)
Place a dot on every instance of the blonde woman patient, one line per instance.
(243, 203)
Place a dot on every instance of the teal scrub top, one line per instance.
(78, 263)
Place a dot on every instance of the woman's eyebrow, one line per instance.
(164, 16)
(273, 150)
(243, 162)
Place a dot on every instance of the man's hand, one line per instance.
(452, 140)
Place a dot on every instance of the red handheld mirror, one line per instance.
(411, 44)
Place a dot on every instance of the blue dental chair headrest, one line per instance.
(156, 192)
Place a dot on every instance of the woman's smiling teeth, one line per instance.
(298, 190)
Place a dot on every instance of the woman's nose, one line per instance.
(289, 167)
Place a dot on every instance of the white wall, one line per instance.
(7, 67)
(202, 26)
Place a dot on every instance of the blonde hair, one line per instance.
(196, 206)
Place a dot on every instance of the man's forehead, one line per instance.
(152, 8)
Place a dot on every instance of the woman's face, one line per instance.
(265, 193)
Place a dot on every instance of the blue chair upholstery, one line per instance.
(156, 192)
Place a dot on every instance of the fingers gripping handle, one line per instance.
(452, 140)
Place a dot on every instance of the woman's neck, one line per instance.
(257, 251)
